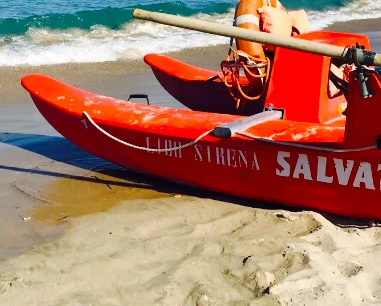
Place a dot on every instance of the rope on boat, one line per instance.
(283, 143)
(139, 147)
(252, 67)
(303, 146)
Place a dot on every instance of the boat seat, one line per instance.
(307, 98)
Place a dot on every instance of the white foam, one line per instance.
(357, 10)
(133, 41)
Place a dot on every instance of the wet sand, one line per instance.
(141, 241)
(28, 142)
(356, 26)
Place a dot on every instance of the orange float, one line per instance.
(247, 17)
(250, 57)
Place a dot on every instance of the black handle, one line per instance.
(138, 96)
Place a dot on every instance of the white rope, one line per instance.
(297, 145)
(282, 143)
(139, 147)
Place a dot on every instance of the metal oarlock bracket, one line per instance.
(358, 56)
(362, 77)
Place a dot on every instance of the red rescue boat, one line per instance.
(311, 158)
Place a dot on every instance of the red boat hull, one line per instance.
(335, 182)
(196, 88)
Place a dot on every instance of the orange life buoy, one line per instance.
(276, 4)
(247, 17)
(250, 56)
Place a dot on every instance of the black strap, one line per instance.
(339, 82)
(296, 30)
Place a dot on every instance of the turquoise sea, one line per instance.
(61, 31)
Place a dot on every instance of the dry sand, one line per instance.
(141, 241)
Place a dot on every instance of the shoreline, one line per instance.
(83, 74)
(75, 73)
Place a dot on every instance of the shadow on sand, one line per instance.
(61, 150)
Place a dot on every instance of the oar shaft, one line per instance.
(249, 35)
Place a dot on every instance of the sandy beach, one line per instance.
(78, 230)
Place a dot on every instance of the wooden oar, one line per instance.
(357, 56)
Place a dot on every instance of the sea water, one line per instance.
(62, 31)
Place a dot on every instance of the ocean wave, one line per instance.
(132, 41)
(123, 38)
(355, 10)
(115, 17)
(110, 17)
